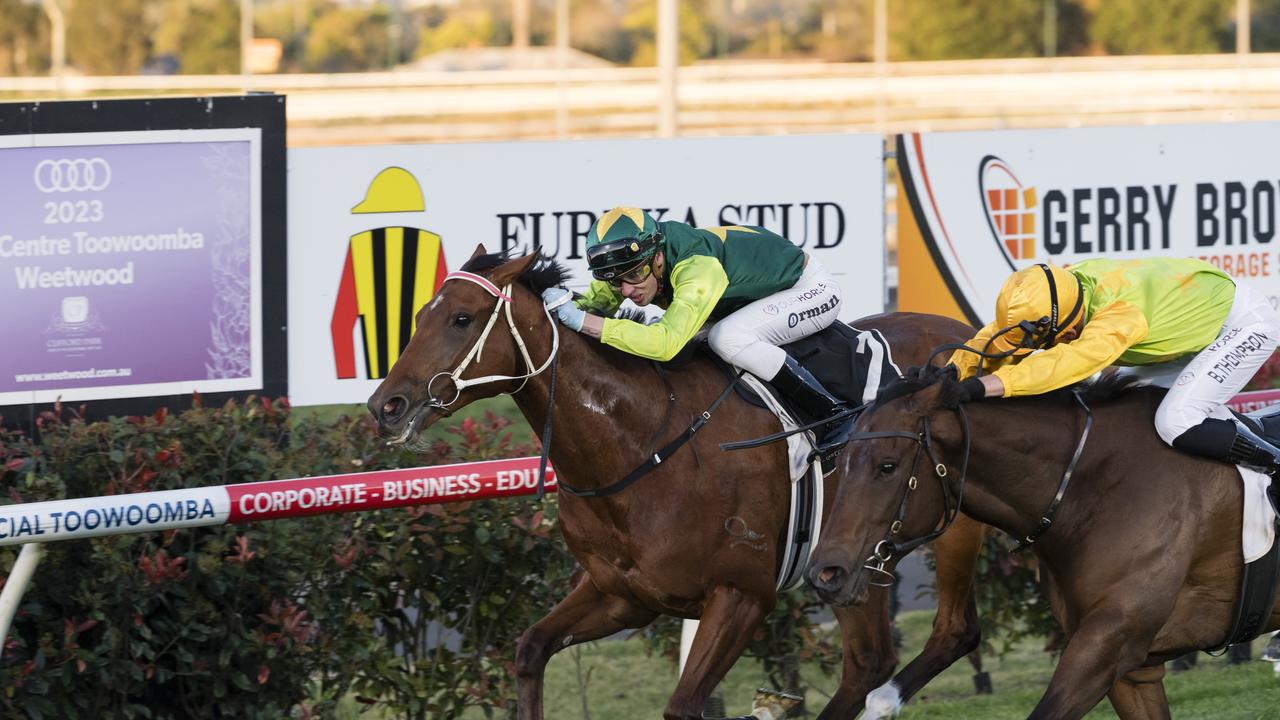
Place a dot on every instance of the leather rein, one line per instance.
(889, 548)
(504, 302)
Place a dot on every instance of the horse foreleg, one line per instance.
(729, 619)
(956, 631)
(1100, 651)
(585, 614)
(1140, 695)
(869, 655)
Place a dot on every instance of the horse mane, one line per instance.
(920, 377)
(544, 273)
(1111, 386)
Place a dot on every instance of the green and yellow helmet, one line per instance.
(620, 241)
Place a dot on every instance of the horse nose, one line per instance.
(390, 410)
(827, 579)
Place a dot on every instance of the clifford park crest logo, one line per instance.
(1010, 210)
(389, 272)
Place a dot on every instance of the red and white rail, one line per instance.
(269, 500)
(32, 524)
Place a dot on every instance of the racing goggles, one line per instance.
(634, 276)
(629, 260)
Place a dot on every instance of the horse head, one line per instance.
(895, 492)
(467, 343)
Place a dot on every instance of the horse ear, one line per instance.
(479, 251)
(507, 272)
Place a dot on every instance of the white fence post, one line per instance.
(16, 585)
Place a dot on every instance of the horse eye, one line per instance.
(887, 468)
(462, 319)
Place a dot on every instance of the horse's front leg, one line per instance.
(956, 630)
(1140, 695)
(729, 619)
(585, 614)
(1106, 646)
(869, 655)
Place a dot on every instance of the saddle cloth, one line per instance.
(1259, 517)
(805, 522)
(799, 446)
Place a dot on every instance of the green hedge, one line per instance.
(414, 608)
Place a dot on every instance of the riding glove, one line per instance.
(973, 389)
(569, 313)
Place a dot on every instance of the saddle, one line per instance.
(851, 364)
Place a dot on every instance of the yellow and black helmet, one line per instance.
(620, 241)
(1036, 304)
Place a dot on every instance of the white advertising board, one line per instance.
(365, 219)
(987, 203)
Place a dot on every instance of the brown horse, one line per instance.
(1144, 557)
(663, 546)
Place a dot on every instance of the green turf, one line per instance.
(624, 684)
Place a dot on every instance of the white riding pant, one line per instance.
(749, 337)
(1200, 387)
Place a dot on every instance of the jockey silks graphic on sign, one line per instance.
(388, 273)
(347, 326)
(1064, 196)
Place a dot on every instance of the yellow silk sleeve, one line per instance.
(697, 283)
(1106, 336)
(600, 296)
(966, 362)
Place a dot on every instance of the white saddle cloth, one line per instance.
(1259, 518)
(800, 445)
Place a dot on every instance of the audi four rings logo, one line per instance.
(77, 175)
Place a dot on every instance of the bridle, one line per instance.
(503, 302)
(889, 548)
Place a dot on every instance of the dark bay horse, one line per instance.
(1144, 557)
(662, 546)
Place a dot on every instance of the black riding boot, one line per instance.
(802, 388)
(1233, 441)
(1250, 448)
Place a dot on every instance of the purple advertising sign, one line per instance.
(130, 265)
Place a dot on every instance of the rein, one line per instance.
(888, 548)
(504, 300)
(661, 455)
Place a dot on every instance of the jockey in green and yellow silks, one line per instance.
(1182, 322)
(760, 290)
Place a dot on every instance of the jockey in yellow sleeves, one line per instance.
(1187, 323)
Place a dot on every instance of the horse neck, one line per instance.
(598, 405)
(1019, 450)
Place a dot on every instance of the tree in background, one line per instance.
(958, 29)
(1162, 27)
(204, 35)
(641, 22)
(347, 39)
(1265, 26)
(843, 32)
(465, 27)
(596, 28)
(24, 39)
(108, 38)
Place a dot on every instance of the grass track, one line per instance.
(624, 684)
